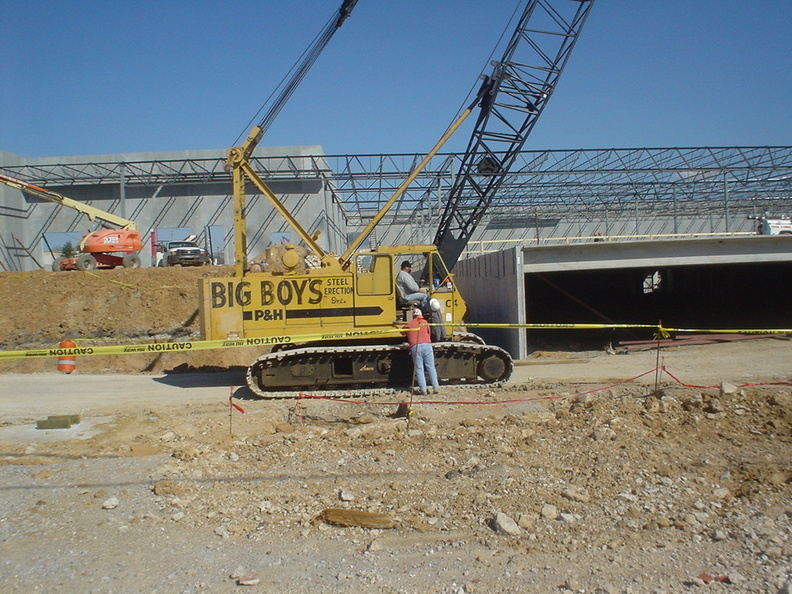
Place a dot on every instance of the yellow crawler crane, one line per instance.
(334, 321)
(348, 306)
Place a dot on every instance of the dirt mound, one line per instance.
(107, 307)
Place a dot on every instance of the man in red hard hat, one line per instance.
(420, 344)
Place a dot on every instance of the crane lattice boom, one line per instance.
(519, 88)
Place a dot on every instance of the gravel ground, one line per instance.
(620, 490)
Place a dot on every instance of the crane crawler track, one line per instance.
(358, 371)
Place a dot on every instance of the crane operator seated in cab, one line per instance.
(409, 289)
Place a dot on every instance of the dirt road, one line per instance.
(738, 363)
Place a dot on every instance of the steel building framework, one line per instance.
(590, 185)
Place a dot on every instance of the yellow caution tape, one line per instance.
(731, 331)
(562, 326)
(661, 330)
(199, 345)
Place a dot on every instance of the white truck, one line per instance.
(765, 225)
(183, 253)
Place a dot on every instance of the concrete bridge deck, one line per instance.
(680, 252)
(728, 282)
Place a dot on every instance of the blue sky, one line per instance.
(97, 77)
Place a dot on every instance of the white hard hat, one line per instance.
(434, 304)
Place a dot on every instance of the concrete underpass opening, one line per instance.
(724, 296)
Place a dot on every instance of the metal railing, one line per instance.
(485, 246)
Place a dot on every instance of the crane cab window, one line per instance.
(419, 269)
(427, 269)
(441, 279)
(374, 274)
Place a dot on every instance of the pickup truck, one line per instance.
(773, 226)
(183, 253)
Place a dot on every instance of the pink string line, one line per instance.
(663, 368)
(305, 396)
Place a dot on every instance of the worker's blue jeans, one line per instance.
(423, 359)
(422, 297)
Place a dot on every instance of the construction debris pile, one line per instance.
(616, 492)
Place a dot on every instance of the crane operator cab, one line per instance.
(378, 276)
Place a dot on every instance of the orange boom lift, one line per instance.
(103, 248)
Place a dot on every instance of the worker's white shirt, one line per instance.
(407, 283)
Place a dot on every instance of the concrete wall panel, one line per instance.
(492, 286)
